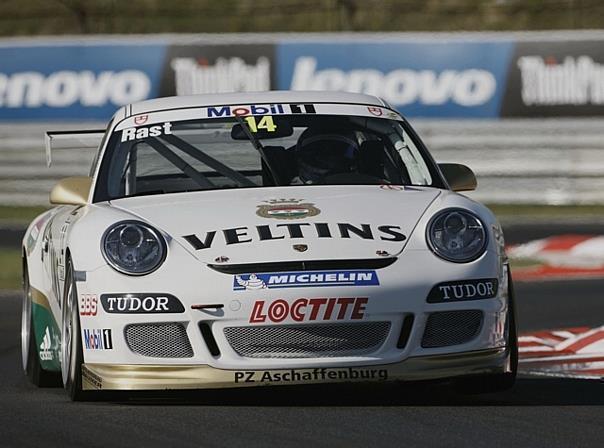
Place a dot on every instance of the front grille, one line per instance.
(307, 265)
(451, 328)
(307, 341)
(162, 340)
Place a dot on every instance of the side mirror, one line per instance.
(459, 177)
(71, 191)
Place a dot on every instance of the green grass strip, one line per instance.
(544, 211)
(10, 269)
(24, 214)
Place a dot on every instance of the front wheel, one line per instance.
(501, 381)
(72, 356)
(30, 357)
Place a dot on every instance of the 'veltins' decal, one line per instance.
(241, 235)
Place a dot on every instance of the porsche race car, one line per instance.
(249, 239)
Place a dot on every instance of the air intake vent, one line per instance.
(451, 328)
(405, 331)
(308, 341)
(308, 265)
(162, 340)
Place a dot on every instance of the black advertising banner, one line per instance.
(557, 78)
(196, 69)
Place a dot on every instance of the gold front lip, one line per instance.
(155, 377)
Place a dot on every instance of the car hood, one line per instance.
(293, 223)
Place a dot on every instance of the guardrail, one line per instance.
(553, 161)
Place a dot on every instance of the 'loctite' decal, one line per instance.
(309, 310)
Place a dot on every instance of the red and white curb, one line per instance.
(570, 352)
(562, 256)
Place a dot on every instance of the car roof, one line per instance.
(217, 99)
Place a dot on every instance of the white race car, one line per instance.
(238, 240)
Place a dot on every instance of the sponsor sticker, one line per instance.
(304, 279)
(140, 119)
(130, 134)
(141, 303)
(302, 109)
(287, 209)
(88, 304)
(97, 339)
(45, 347)
(391, 187)
(295, 230)
(309, 310)
(377, 111)
(484, 288)
(238, 111)
(310, 375)
(94, 380)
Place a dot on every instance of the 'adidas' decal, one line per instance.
(45, 352)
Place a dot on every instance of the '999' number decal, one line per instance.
(88, 304)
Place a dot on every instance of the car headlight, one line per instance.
(457, 235)
(133, 247)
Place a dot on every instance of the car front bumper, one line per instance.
(164, 377)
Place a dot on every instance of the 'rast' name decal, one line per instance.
(304, 279)
(130, 134)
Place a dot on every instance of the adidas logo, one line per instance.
(45, 353)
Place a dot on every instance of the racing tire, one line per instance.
(72, 356)
(30, 357)
(502, 381)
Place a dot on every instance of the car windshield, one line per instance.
(256, 151)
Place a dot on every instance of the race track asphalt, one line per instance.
(537, 412)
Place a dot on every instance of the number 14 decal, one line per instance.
(265, 122)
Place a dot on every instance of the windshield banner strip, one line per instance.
(232, 111)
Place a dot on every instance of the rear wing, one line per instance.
(82, 139)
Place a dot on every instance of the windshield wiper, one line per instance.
(256, 143)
